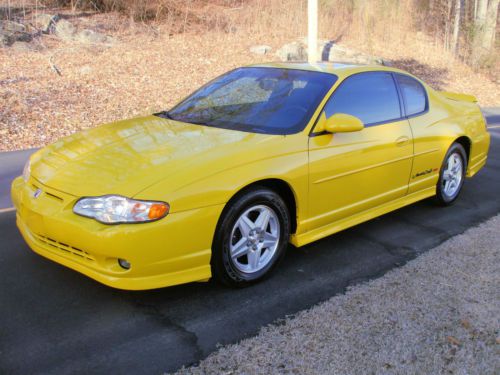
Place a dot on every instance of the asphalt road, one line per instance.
(56, 321)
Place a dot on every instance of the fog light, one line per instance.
(124, 264)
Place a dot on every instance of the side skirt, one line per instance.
(337, 226)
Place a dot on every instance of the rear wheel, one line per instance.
(251, 238)
(452, 175)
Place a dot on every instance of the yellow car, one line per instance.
(262, 156)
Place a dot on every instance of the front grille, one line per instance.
(64, 248)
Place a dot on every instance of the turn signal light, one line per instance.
(158, 210)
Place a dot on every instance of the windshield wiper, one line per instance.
(164, 114)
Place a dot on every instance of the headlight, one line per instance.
(115, 209)
(27, 171)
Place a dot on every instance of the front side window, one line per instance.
(414, 94)
(372, 97)
(261, 100)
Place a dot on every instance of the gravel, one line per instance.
(438, 314)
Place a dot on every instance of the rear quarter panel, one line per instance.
(436, 130)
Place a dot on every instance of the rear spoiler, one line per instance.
(459, 97)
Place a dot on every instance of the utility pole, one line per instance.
(312, 31)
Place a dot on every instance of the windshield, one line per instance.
(261, 100)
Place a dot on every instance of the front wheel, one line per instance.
(452, 175)
(251, 238)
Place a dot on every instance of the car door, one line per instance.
(427, 137)
(353, 172)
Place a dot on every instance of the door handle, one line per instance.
(403, 140)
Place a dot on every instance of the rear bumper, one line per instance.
(479, 154)
(161, 253)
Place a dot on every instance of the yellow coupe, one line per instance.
(262, 156)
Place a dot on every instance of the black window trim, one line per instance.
(402, 103)
(426, 109)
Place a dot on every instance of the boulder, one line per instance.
(65, 30)
(46, 22)
(260, 49)
(12, 27)
(23, 46)
(86, 69)
(11, 32)
(334, 52)
(92, 37)
(4, 40)
(327, 51)
(294, 51)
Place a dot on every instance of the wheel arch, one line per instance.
(279, 186)
(466, 143)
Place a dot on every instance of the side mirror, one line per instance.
(343, 123)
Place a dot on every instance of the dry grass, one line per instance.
(151, 67)
(438, 314)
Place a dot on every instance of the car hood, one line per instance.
(126, 157)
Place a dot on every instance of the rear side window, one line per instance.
(372, 97)
(414, 95)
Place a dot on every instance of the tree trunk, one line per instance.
(456, 28)
(479, 26)
(447, 25)
(490, 26)
(482, 8)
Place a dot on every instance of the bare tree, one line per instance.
(482, 40)
(490, 24)
(447, 23)
(482, 9)
(456, 27)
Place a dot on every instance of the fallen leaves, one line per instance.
(141, 75)
(453, 340)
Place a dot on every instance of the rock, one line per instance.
(46, 22)
(11, 32)
(4, 40)
(327, 51)
(92, 37)
(22, 46)
(65, 30)
(334, 52)
(12, 27)
(86, 69)
(260, 49)
(294, 51)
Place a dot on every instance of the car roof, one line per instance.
(336, 68)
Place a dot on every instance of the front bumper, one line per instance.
(161, 253)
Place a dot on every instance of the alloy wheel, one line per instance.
(452, 175)
(254, 239)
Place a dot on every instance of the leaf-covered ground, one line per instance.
(149, 69)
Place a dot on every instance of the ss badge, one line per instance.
(37, 193)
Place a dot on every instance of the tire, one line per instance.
(245, 250)
(451, 175)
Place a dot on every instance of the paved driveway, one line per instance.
(56, 321)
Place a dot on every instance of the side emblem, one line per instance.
(37, 193)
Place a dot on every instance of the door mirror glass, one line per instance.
(343, 123)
